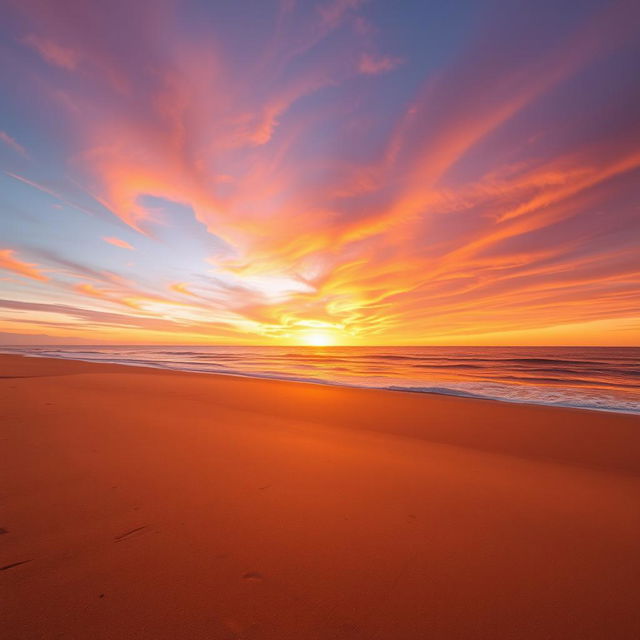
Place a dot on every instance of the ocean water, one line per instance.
(599, 378)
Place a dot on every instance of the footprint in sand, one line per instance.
(14, 564)
(127, 534)
(253, 576)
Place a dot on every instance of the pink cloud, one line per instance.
(333, 12)
(8, 140)
(117, 242)
(373, 65)
(53, 53)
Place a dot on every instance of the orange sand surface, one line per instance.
(140, 503)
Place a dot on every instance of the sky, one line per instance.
(345, 172)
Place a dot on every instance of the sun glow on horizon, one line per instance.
(318, 339)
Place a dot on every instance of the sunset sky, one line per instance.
(339, 171)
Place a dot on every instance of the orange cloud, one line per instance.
(181, 287)
(109, 295)
(117, 242)
(26, 269)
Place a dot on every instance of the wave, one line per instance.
(442, 391)
(578, 382)
(603, 379)
(568, 401)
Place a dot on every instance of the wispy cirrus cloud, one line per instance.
(52, 52)
(482, 187)
(117, 242)
(11, 142)
(10, 262)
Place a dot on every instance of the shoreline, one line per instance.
(148, 503)
(438, 391)
(497, 416)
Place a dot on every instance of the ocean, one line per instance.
(597, 378)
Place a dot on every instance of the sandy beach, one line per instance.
(141, 503)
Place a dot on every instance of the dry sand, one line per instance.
(139, 503)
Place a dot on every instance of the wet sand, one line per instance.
(140, 503)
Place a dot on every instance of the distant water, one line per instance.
(583, 377)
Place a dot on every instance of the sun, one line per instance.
(318, 339)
